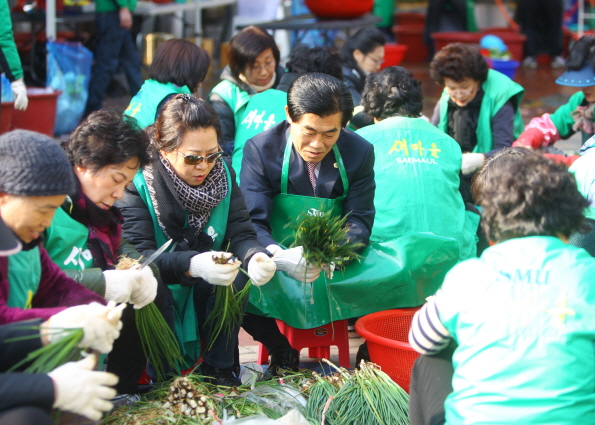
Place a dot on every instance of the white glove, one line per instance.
(261, 269)
(147, 290)
(79, 389)
(202, 265)
(101, 325)
(20, 94)
(292, 262)
(472, 162)
(121, 284)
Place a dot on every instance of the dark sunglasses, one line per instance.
(197, 159)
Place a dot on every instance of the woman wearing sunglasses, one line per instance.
(189, 194)
(479, 107)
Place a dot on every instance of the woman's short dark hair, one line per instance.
(458, 61)
(319, 94)
(582, 52)
(180, 114)
(305, 59)
(107, 137)
(245, 47)
(365, 40)
(393, 91)
(494, 163)
(180, 62)
(529, 195)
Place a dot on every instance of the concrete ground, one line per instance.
(542, 95)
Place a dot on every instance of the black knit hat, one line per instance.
(32, 164)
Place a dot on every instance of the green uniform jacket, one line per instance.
(417, 183)
(143, 106)
(498, 89)
(102, 6)
(10, 62)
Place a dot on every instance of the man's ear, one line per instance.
(287, 114)
(358, 55)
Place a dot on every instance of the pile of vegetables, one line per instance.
(364, 396)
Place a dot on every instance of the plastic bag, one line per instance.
(293, 417)
(69, 70)
(7, 95)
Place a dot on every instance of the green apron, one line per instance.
(186, 323)
(66, 242)
(392, 274)
(24, 275)
(263, 111)
(236, 98)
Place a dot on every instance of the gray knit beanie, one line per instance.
(32, 164)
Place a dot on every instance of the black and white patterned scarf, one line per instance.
(199, 201)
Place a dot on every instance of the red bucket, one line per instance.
(393, 54)
(40, 115)
(386, 334)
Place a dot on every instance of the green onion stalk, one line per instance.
(324, 239)
(49, 357)
(160, 344)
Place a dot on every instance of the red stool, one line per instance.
(317, 340)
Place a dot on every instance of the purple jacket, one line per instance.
(56, 292)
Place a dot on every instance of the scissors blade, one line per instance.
(156, 254)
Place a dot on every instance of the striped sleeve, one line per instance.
(427, 334)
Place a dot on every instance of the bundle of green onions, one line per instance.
(324, 239)
(229, 305)
(160, 344)
(49, 357)
(369, 397)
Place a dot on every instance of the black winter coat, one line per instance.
(138, 230)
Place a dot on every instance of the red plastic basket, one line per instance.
(386, 334)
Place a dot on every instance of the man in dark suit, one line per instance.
(318, 109)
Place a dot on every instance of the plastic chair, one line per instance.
(318, 341)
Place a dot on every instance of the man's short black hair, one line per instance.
(319, 94)
(106, 137)
(393, 91)
(529, 195)
(305, 59)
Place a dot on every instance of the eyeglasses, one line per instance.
(460, 92)
(377, 61)
(267, 65)
(197, 159)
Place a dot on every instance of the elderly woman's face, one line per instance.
(461, 92)
(106, 186)
(194, 159)
(262, 70)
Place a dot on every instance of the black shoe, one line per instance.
(362, 354)
(283, 361)
(216, 376)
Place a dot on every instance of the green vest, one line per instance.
(143, 106)
(498, 89)
(392, 274)
(263, 111)
(236, 98)
(417, 183)
(24, 276)
(66, 242)
(186, 324)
